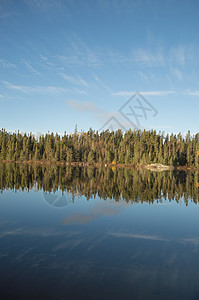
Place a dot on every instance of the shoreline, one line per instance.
(155, 167)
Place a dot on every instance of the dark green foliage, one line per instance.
(131, 147)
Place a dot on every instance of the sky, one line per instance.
(100, 64)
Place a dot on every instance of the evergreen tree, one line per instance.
(132, 147)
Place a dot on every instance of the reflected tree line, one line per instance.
(128, 184)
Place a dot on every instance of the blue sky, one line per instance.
(69, 62)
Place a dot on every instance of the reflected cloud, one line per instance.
(191, 240)
(69, 245)
(138, 236)
(96, 242)
(99, 209)
(42, 232)
(194, 241)
(79, 219)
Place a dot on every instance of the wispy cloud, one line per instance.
(101, 83)
(192, 93)
(74, 60)
(177, 73)
(36, 89)
(43, 6)
(50, 63)
(83, 106)
(114, 118)
(142, 75)
(45, 59)
(114, 57)
(177, 55)
(5, 64)
(145, 93)
(81, 49)
(75, 80)
(148, 59)
(29, 67)
(79, 54)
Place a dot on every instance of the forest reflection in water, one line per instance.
(127, 184)
(121, 248)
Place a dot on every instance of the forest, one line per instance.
(112, 147)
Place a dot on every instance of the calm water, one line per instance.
(86, 233)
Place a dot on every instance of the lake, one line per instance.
(98, 233)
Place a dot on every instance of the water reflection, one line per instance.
(130, 185)
(97, 249)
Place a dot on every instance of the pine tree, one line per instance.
(91, 157)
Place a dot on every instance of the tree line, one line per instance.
(117, 147)
(127, 184)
